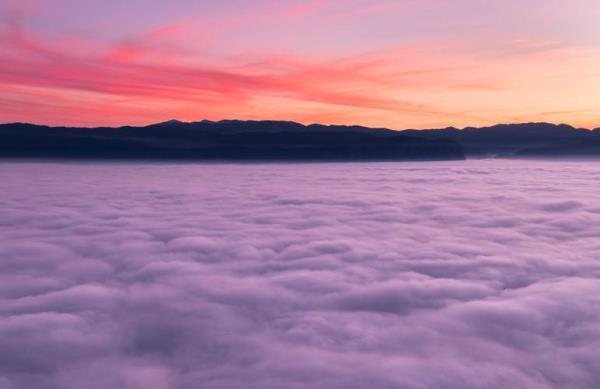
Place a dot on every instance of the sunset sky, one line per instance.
(398, 64)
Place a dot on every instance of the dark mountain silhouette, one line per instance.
(224, 140)
(520, 140)
(284, 140)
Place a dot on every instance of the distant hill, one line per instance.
(284, 140)
(223, 140)
(520, 140)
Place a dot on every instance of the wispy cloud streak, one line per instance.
(287, 59)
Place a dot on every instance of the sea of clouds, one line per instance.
(477, 274)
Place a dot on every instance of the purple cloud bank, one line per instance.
(478, 274)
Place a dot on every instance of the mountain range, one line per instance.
(284, 140)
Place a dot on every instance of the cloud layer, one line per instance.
(391, 63)
(475, 274)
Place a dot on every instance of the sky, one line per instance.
(397, 64)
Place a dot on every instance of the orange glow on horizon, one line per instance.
(195, 66)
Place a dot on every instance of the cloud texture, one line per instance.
(381, 63)
(478, 274)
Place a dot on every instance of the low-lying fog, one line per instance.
(476, 274)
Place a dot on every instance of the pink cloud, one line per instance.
(168, 278)
(203, 66)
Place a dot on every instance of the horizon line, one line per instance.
(165, 122)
